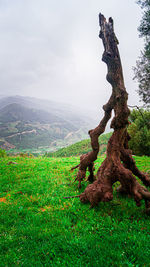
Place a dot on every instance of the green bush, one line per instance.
(139, 130)
(3, 153)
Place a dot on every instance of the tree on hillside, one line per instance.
(142, 69)
(139, 131)
(118, 164)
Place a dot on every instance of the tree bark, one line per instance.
(119, 164)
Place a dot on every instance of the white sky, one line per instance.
(50, 49)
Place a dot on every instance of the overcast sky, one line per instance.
(50, 49)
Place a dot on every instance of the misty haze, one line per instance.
(51, 51)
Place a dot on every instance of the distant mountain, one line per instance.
(16, 112)
(64, 111)
(30, 123)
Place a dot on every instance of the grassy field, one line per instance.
(38, 227)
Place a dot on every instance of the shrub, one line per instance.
(139, 131)
(3, 153)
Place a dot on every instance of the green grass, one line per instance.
(40, 228)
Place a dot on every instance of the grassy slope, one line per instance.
(81, 147)
(40, 228)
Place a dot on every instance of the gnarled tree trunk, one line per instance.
(119, 164)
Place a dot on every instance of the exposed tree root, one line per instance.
(119, 164)
(86, 160)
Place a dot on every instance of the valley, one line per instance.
(28, 124)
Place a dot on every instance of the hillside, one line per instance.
(16, 112)
(64, 111)
(24, 127)
(81, 147)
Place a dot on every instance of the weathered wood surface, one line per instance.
(119, 164)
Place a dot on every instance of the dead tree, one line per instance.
(119, 164)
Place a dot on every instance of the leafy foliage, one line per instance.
(144, 27)
(142, 69)
(3, 153)
(142, 74)
(139, 131)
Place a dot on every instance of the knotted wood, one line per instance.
(119, 164)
